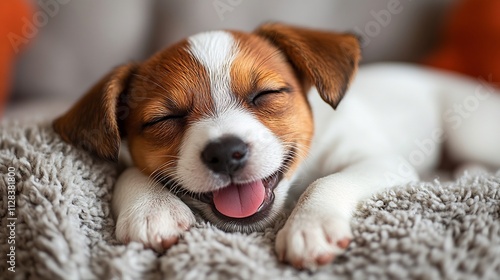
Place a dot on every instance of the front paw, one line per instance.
(156, 223)
(310, 240)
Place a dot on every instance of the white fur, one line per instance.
(216, 51)
(148, 213)
(265, 149)
(383, 134)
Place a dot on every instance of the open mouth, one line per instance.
(244, 202)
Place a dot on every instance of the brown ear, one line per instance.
(325, 59)
(92, 122)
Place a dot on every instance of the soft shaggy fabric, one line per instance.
(65, 229)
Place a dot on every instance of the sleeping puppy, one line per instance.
(228, 122)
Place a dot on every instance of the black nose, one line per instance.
(225, 155)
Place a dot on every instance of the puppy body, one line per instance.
(247, 97)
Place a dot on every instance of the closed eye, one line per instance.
(264, 93)
(158, 120)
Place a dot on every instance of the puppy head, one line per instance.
(221, 118)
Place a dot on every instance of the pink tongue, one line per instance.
(240, 201)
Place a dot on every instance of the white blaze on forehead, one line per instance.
(216, 51)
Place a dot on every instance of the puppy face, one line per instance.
(220, 118)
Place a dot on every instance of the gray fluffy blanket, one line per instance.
(64, 228)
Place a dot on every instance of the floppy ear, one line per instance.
(325, 59)
(92, 123)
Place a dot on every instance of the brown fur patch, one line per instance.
(91, 123)
(260, 67)
(154, 103)
(327, 60)
(171, 83)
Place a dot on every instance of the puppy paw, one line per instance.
(156, 223)
(308, 241)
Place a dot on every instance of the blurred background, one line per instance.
(52, 51)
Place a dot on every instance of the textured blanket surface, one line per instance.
(64, 228)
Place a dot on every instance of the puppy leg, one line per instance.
(319, 227)
(148, 213)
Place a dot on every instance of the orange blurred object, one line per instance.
(470, 42)
(13, 16)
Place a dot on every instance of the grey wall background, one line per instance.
(83, 40)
